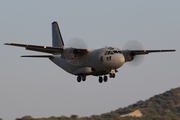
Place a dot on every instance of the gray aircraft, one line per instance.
(83, 62)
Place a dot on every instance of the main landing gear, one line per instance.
(82, 77)
(101, 79)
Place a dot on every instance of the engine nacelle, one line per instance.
(68, 53)
(128, 55)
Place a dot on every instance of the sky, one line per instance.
(39, 88)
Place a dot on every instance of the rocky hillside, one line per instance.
(165, 106)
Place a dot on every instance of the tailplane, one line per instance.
(57, 40)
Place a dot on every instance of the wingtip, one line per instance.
(7, 43)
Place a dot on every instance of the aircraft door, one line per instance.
(98, 59)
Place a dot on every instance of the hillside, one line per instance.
(165, 106)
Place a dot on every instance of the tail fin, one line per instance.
(57, 40)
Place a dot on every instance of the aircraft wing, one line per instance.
(44, 49)
(141, 52)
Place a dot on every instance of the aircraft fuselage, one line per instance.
(100, 61)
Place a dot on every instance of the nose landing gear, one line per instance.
(112, 73)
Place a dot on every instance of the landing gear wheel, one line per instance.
(110, 75)
(83, 78)
(100, 79)
(105, 78)
(113, 75)
(79, 78)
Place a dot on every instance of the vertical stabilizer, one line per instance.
(57, 40)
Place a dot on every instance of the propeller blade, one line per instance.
(77, 43)
(134, 45)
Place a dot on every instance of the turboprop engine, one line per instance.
(69, 54)
(128, 55)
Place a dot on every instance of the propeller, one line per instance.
(76, 43)
(134, 45)
(79, 44)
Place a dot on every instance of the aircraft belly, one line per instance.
(84, 70)
(73, 66)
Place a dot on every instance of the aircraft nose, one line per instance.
(122, 59)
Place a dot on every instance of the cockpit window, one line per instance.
(109, 53)
(120, 52)
(112, 52)
(115, 52)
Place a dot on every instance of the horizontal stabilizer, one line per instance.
(39, 56)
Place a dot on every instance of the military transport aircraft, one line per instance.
(84, 62)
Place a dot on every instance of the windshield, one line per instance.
(112, 52)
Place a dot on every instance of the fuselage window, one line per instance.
(106, 53)
(109, 58)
